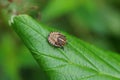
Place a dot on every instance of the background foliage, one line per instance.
(97, 22)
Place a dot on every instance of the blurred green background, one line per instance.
(94, 21)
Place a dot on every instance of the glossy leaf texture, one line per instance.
(78, 61)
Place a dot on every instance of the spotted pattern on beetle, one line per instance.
(57, 39)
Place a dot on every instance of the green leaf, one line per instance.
(78, 61)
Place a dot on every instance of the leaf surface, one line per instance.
(78, 61)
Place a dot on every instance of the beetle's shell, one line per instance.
(57, 39)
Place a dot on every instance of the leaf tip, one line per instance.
(11, 21)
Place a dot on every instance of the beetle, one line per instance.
(57, 39)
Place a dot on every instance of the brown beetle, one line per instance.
(57, 39)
